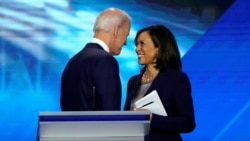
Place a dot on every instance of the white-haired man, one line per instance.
(90, 80)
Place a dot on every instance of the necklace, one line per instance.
(148, 76)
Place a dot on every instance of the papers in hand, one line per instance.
(151, 102)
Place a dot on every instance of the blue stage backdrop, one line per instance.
(38, 37)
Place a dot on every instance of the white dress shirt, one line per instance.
(101, 43)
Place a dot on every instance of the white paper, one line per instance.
(156, 107)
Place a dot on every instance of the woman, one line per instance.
(158, 52)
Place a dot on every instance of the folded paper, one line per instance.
(151, 102)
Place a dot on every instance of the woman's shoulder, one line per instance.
(137, 76)
(171, 73)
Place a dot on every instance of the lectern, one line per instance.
(93, 126)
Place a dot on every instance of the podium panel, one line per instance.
(95, 139)
(93, 126)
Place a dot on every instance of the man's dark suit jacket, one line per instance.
(90, 81)
(174, 90)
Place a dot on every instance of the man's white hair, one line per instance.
(109, 18)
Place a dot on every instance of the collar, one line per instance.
(101, 43)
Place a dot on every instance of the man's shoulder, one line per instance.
(92, 46)
(95, 49)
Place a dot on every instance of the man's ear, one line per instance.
(116, 30)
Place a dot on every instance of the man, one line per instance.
(90, 80)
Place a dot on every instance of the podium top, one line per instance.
(94, 116)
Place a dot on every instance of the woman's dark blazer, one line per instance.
(174, 90)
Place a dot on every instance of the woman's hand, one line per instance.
(141, 109)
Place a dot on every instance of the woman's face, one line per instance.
(145, 49)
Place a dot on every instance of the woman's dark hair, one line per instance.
(168, 52)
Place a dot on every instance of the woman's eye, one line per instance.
(140, 43)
